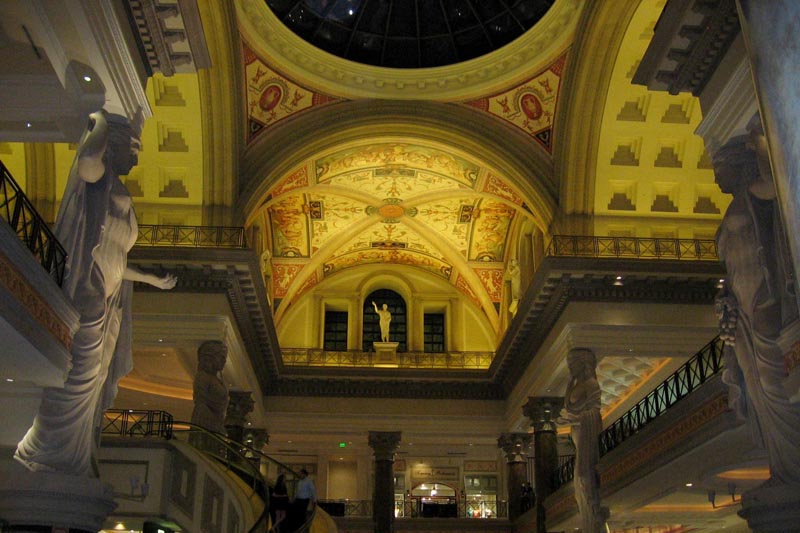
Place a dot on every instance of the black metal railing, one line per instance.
(696, 371)
(633, 247)
(191, 236)
(134, 422)
(565, 471)
(18, 211)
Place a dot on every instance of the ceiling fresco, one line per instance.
(531, 105)
(272, 97)
(398, 202)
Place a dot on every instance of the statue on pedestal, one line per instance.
(97, 226)
(582, 412)
(385, 318)
(513, 274)
(756, 304)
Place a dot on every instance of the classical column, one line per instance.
(582, 411)
(383, 444)
(770, 33)
(514, 446)
(542, 410)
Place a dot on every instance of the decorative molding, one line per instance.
(665, 441)
(463, 81)
(22, 291)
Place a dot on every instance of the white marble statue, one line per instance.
(513, 274)
(582, 412)
(756, 304)
(385, 318)
(97, 226)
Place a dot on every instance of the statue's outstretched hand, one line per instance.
(166, 282)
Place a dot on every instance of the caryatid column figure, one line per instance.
(582, 412)
(383, 444)
(515, 447)
(542, 410)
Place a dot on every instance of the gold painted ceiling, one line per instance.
(392, 201)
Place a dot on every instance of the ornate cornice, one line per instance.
(691, 38)
(559, 281)
(470, 79)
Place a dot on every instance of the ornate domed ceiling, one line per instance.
(409, 33)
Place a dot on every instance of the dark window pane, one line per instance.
(401, 53)
(374, 18)
(366, 48)
(431, 19)
(471, 44)
(335, 332)
(438, 51)
(433, 332)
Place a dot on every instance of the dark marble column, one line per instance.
(515, 446)
(542, 411)
(383, 444)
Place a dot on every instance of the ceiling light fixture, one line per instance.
(87, 78)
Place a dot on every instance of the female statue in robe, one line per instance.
(97, 226)
(756, 304)
(582, 412)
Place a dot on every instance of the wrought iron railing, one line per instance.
(696, 371)
(135, 422)
(449, 360)
(19, 213)
(565, 471)
(191, 236)
(633, 247)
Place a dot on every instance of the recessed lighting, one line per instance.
(27, 124)
(163, 355)
(160, 340)
(87, 78)
(722, 280)
(619, 277)
(10, 380)
(349, 11)
(689, 484)
(288, 441)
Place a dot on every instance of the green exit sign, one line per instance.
(342, 444)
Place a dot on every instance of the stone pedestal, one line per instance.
(769, 509)
(385, 353)
(73, 503)
(384, 444)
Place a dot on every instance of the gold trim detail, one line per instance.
(21, 290)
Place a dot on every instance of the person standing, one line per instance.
(279, 502)
(305, 498)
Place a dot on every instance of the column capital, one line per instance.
(384, 444)
(542, 410)
(515, 446)
(256, 437)
(240, 404)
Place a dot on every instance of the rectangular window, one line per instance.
(335, 338)
(433, 330)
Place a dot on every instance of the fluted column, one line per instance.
(514, 446)
(542, 410)
(383, 444)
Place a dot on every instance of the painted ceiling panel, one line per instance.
(394, 165)
(390, 256)
(330, 215)
(491, 222)
(450, 218)
(289, 223)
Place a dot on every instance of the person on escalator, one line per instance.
(279, 501)
(305, 499)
